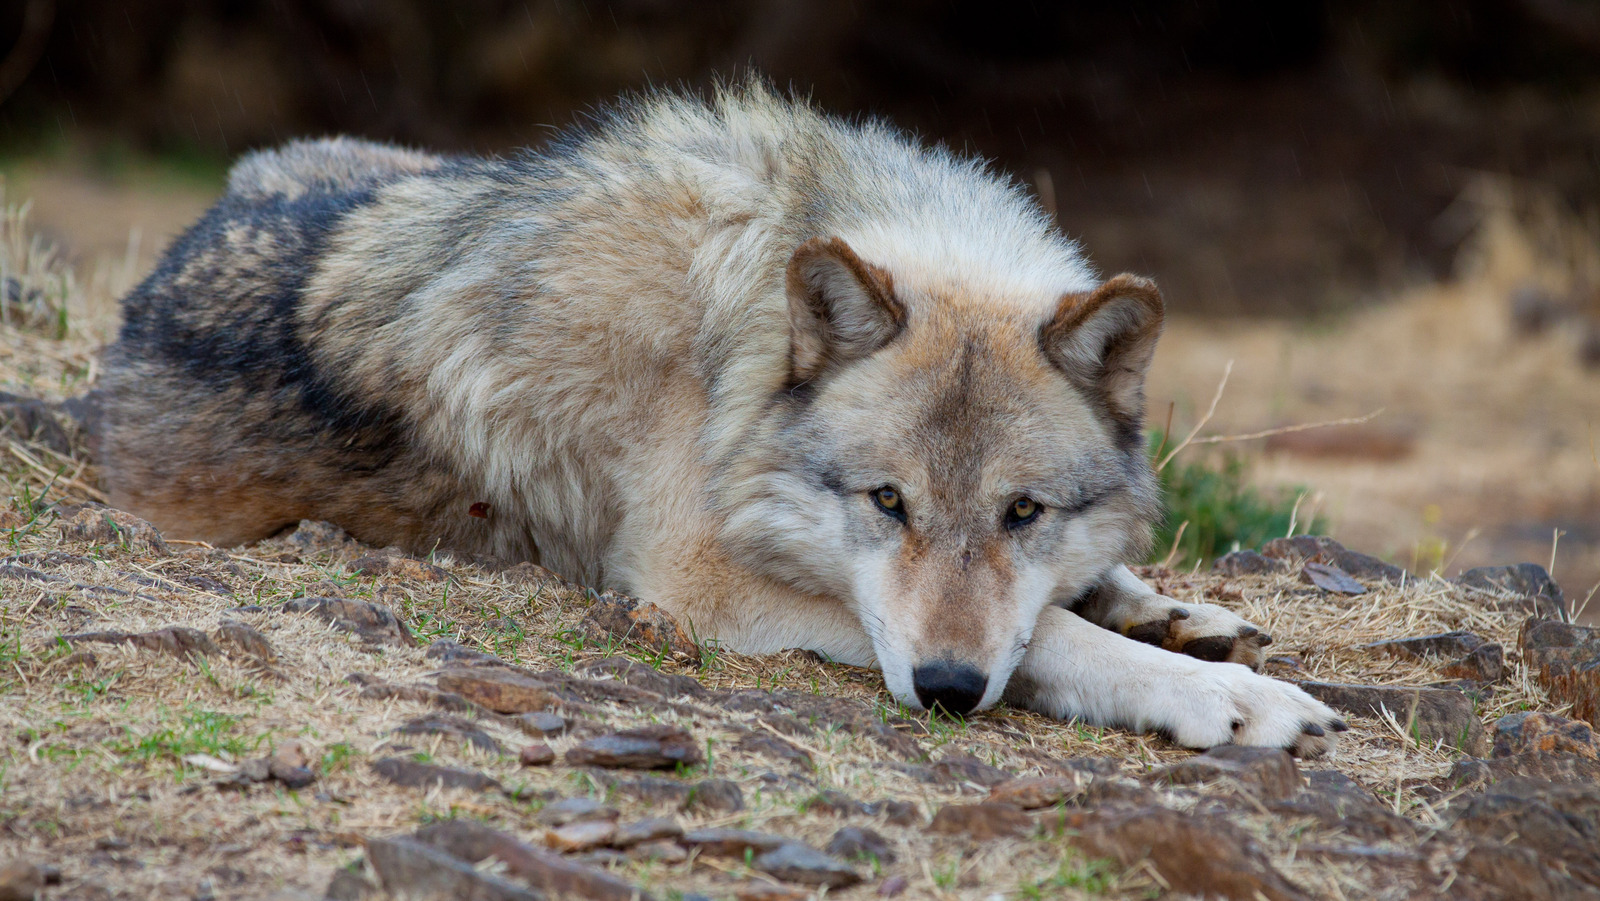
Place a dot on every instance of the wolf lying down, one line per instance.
(801, 382)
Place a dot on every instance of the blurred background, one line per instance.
(1367, 207)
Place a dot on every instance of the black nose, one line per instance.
(955, 687)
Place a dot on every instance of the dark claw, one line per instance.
(1176, 614)
(1313, 729)
(1214, 648)
(1248, 631)
(1263, 639)
(1339, 726)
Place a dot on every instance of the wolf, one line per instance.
(801, 381)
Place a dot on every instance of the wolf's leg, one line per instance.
(1075, 669)
(1124, 604)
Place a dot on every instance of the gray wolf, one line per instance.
(800, 381)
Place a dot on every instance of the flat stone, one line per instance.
(398, 566)
(1482, 665)
(98, 524)
(1534, 824)
(581, 835)
(983, 822)
(1323, 550)
(632, 672)
(665, 851)
(1566, 659)
(731, 842)
(966, 768)
(450, 651)
(1195, 855)
(453, 727)
(317, 537)
(1034, 792)
(571, 810)
(1267, 773)
(375, 689)
(656, 792)
(775, 747)
(796, 862)
(1543, 733)
(546, 871)
(650, 829)
(1330, 578)
(1431, 714)
(1551, 767)
(856, 843)
(1247, 563)
(647, 748)
(415, 871)
(897, 813)
(176, 641)
(1527, 586)
(412, 774)
(833, 803)
(500, 690)
(613, 617)
(372, 623)
(1339, 802)
(542, 723)
(246, 640)
(714, 796)
(1444, 644)
(1492, 871)
(290, 764)
(536, 754)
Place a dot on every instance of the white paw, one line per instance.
(1224, 703)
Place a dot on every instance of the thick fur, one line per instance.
(676, 354)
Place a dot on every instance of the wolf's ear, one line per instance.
(840, 307)
(1104, 340)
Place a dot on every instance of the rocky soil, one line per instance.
(311, 718)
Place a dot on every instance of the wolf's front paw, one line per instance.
(1236, 706)
(1204, 631)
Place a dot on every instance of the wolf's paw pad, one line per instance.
(1206, 632)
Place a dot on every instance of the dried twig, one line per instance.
(1215, 398)
(1283, 430)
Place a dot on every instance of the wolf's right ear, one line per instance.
(840, 307)
(1105, 339)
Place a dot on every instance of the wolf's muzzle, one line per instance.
(955, 687)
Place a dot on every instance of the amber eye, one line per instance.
(1023, 510)
(888, 500)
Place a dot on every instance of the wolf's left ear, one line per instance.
(1104, 340)
(841, 308)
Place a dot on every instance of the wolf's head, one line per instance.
(952, 461)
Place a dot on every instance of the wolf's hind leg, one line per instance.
(1073, 669)
(1124, 604)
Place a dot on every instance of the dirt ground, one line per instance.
(1484, 449)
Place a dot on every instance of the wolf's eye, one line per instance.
(888, 500)
(1023, 510)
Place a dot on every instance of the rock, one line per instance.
(396, 565)
(571, 810)
(1543, 733)
(664, 851)
(545, 870)
(767, 891)
(613, 617)
(1488, 871)
(893, 887)
(655, 791)
(714, 796)
(1431, 715)
(537, 754)
(795, 862)
(647, 748)
(1330, 578)
(542, 723)
(650, 829)
(1267, 773)
(1247, 563)
(375, 689)
(632, 672)
(417, 872)
(1038, 791)
(581, 835)
(349, 885)
(966, 768)
(1339, 802)
(177, 641)
(454, 727)
(896, 813)
(22, 881)
(833, 803)
(1323, 550)
(412, 774)
(731, 842)
(311, 538)
(98, 524)
(256, 769)
(1446, 644)
(500, 690)
(1552, 767)
(773, 746)
(1195, 855)
(1528, 586)
(372, 623)
(983, 822)
(1570, 842)
(854, 842)
(533, 575)
(1567, 661)
(290, 764)
(1484, 664)
(246, 640)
